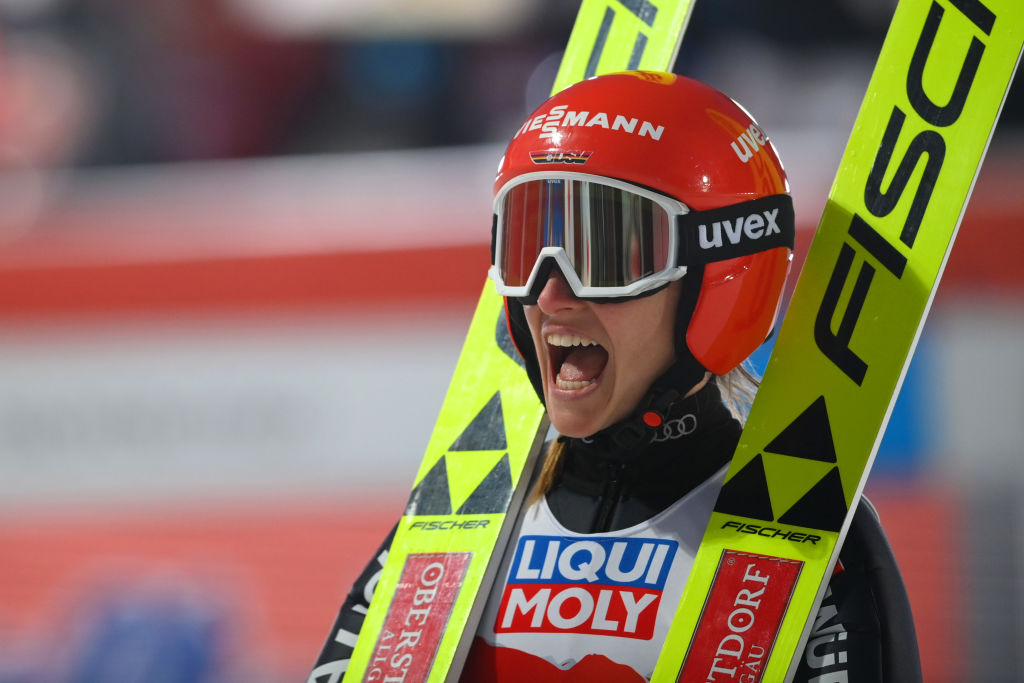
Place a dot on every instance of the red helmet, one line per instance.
(685, 140)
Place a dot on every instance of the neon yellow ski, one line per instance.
(846, 341)
(491, 427)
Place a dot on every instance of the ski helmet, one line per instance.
(629, 181)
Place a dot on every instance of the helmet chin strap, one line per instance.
(523, 340)
(687, 371)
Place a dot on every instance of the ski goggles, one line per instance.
(612, 239)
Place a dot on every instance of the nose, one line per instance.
(556, 295)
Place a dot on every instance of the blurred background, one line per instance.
(240, 244)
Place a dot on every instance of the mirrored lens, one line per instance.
(612, 237)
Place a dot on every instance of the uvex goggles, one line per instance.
(613, 239)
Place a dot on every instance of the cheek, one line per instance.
(646, 334)
(649, 328)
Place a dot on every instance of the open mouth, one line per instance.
(575, 361)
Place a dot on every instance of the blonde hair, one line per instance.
(738, 387)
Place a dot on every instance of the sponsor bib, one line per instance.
(599, 602)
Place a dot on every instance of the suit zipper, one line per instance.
(610, 501)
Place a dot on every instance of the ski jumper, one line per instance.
(596, 566)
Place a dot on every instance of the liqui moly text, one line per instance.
(605, 586)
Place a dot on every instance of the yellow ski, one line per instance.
(490, 429)
(846, 341)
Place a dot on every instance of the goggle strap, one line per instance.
(736, 230)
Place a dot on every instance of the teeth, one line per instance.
(566, 384)
(569, 340)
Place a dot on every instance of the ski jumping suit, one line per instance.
(596, 567)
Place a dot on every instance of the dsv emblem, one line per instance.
(673, 429)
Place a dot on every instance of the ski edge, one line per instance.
(509, 523)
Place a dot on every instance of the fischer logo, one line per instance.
(562, 117)
(751, 140)
(912, 140)
(600, 586)
(417, 617)
(741, 619)
(449, 524)
(772, 532)
(753, 226)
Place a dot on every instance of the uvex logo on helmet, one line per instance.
(561, 116)
(748, 142)
(753, 226)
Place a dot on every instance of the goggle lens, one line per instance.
(612, 237)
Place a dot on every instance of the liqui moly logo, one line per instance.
(602, 586)
(741, 619)
(417, 617)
